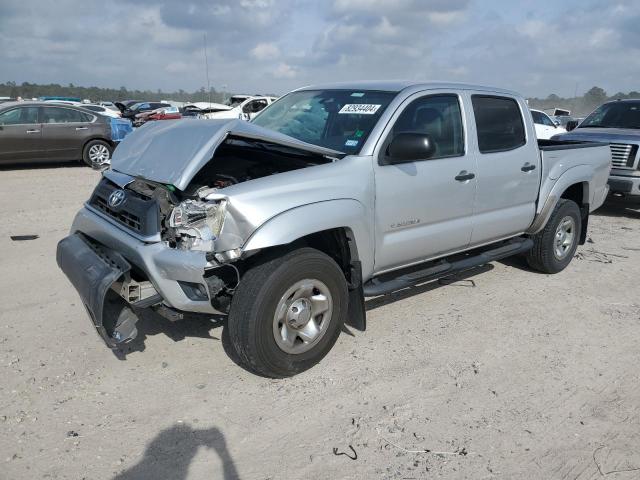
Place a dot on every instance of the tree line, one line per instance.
(580, 106)
(28, 90)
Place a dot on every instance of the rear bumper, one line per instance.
(164, 267)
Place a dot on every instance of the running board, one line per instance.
(375, 287)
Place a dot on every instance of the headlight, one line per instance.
(197, 224)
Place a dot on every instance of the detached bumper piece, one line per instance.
(93, 269)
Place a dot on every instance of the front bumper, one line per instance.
(164, 267)
(624, 186)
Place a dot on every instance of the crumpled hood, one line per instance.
(606, 135)
(173, 151)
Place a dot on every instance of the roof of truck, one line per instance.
(399, 85)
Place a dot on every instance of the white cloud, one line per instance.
(265, 51)
(282, 70)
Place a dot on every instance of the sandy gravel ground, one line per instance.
(503, 374)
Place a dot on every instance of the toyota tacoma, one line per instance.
(331, 194)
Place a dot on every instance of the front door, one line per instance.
(20, 135)
(424, 209)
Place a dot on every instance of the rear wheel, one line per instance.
(97, 153)
(556, 244)
(287, 313)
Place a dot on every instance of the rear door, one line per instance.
(65, 131)
(508, 168)
(20, 135)
(424, 209)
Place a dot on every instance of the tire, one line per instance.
(263, 328)
(97, 153)
(551, 252)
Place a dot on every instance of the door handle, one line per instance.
(463, 176)
(33, 131)
(527, 167)
(82, 128)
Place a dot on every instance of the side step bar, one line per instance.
(375, 287)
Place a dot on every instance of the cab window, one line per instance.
(498, 122)
(440, 117)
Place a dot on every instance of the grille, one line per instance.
(139, 213)
(622, 155)
(128, 219)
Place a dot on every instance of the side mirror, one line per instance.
(571, 125)
(409, 147)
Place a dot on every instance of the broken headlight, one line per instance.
(197, 224)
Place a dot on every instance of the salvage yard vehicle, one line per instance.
(618, 124)
(243, 106)
(330, 195)
(131, 111)
(545, 127)
(165, 113)
(52, 132)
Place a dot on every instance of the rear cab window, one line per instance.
(499, 123)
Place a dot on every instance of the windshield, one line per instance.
(336, 119)
(614, 115)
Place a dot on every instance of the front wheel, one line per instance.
(555, 245)
(97, 154)
(287, 313)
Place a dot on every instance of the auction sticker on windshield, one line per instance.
(360, 108)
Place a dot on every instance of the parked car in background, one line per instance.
(332, 194)
(545, 127)
(124, 104)
(243, 106)
(110, 106)
(54, 98)
(165, 113)
(618, 124)
(48, 132)
(102, 110)
(137, 108)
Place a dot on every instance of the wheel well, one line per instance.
(578, 192)
(338, 243)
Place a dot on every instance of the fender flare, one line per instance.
(579, 174)
(304, 220)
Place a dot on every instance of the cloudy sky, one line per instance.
(537, 48)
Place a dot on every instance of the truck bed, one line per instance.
(558, 157)
(550, 145)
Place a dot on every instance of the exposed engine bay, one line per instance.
(240, 160)
(191, 219)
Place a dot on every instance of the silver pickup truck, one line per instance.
(330, 195)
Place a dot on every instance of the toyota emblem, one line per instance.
(117, 198)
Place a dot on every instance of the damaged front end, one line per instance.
(162, 231)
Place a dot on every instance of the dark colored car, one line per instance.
(131, 111)
(124, 104)
(48, 132)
